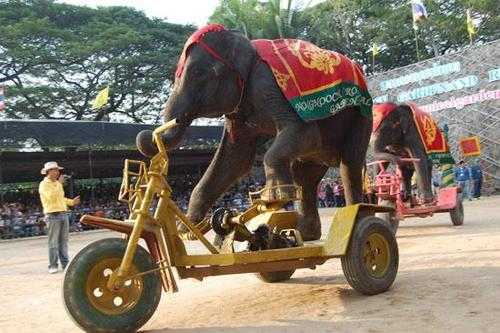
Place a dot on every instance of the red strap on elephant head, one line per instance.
(380, 111)
(197, 38)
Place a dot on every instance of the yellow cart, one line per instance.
(114, 284)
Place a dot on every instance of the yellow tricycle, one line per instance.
(115, 284)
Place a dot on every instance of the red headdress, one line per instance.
(380, 111)
(195, 38)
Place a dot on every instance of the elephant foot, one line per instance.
(282, 192)
(426, 200)
(310, 228)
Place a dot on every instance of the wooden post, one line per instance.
(91, 176)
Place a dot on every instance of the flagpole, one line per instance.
(470, 26)
(416, 43)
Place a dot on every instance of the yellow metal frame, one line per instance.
(167, 247)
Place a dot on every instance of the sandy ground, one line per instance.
(448, 281)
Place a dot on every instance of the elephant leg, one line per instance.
(353, 158)
(424, 173)
(407, 173)
(291, 142)
(231, 161)
(308, 175)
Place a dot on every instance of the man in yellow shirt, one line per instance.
(55, 207)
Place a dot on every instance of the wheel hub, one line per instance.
(376, 255)
(112, 302)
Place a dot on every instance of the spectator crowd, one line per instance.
(21, 213)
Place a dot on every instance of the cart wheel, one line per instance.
(389, 217)
(372, 259)
(93, 306)
(457, 213)
(271, 277)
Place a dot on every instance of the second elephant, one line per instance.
(404, 130)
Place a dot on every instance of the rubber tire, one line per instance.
(273, 277)
(81, 310)
(389, 217)
(457, 213)
(352, 263)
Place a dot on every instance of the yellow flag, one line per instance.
(470, 24)
(375, 49)
(101, 99)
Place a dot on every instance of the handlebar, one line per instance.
(159, 131)
(406, 159)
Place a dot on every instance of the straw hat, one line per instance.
(50, 165)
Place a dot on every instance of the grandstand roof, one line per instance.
(16, 167)
(23, 134)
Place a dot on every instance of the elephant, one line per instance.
(397, 136)
(231, 80)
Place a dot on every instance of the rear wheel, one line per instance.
(93, 306)
(371, 263)
(390, 217)
(457, 213)
(271, 277)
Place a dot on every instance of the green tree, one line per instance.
(54, 58)
(258, 19)
(352, 26)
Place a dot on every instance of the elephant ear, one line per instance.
(242, 54)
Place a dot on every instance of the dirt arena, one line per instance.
(448, 281)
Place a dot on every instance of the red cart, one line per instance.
(389, 191)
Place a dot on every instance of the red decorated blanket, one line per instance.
(318, 83)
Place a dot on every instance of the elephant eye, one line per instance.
(396, 124)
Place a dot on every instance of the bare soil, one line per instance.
(448, 281)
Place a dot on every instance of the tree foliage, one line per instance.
(352, 26)
(258, 19)
(54, 58)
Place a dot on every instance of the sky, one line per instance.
(194, 12)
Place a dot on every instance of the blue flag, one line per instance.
(419, 11)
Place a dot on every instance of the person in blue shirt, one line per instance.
(462, 176)
(476, 175)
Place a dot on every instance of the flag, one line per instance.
(2, 99)
(375, 49)
(470, 25)
(419, 12)
(470, 146)
(101, 99)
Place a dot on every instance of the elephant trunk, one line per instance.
(178, 107)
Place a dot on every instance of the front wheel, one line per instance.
(371, 263)
(93, 306)
(457, 213)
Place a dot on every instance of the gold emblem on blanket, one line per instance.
(430, 130)
(313, 57)
(281, 79)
